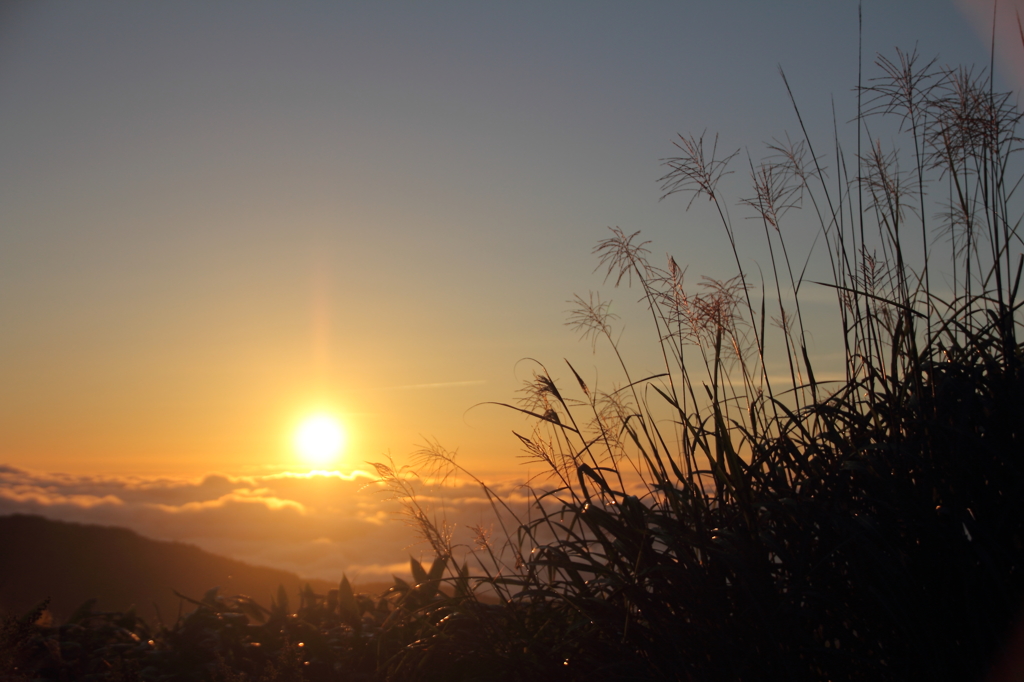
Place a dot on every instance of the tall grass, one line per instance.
(709, 522)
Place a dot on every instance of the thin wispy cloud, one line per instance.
(443, 384)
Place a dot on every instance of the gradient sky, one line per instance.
(217, 217)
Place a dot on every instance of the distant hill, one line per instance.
(72, 562)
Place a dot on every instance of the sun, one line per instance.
(319, 439)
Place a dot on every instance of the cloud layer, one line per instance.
(318, 525)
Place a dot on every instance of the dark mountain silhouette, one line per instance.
(73, 562)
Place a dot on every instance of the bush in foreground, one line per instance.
(338, 636)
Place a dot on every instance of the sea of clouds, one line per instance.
(319, 525)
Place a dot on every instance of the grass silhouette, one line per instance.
(709, 522)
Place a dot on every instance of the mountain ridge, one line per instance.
(70, 563)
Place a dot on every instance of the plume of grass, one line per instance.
(701, 523)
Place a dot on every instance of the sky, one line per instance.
(219, 218)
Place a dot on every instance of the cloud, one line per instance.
(320, 524)
(241, 496)
(47, 498)
(443, 384)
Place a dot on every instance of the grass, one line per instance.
(708, 522)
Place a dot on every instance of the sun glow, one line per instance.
(319, 439)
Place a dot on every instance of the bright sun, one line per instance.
(319, 439)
